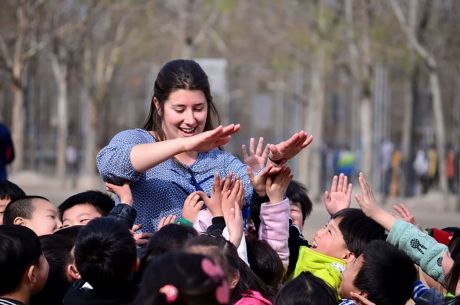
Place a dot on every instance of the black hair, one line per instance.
(358, 229)
(9, 190)
(265, 262)
(102, 202)
(21, 207)
(19, 249)
(57, 250)
(225, 254)
(188, 274)
(297, 192)
(453, 276)
(171, 237)
(105, 253)
(174, 75)
(387, 274)
(306, 289)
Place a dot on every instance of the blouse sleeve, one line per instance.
(113, 161)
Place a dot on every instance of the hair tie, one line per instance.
(170, 293)
(214, 271)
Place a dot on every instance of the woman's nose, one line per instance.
(189, 117)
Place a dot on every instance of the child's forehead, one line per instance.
(42, 204)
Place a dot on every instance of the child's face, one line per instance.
(44, 218)
(296, 215)
(3, 203)
(348, 277)
(79, 214)
(329, 240)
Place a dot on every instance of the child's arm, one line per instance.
(339, 197)
(274, 215)
(232, 200)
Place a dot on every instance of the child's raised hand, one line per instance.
(276, 186)
(360, 299)
(234, 222)
(339, 197)
(370, 207)
(122, 191)
(214, 203)
(404, 213)
(141, 238)
(166, 220)
(233, 193)
(192, 205)
(256, 158)
(258, 182)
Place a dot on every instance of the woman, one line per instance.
(177, 152)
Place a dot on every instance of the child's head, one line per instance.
(22, 264)
(8, 192)
(301, 204)
(265, 262)
(105, 253)
(34, 212)
(239, 276)
(382, 273)
(183, 278)
(83, 207)
(306, 289)
(171, 237)
(346, 234)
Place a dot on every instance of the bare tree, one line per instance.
(432, 66)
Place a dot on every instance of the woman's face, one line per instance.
(184, 113)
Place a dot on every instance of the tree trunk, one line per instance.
(18, 128)
(60, 75)
(407, 134)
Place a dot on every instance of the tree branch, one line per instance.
(5, 54)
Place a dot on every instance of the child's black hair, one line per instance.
(185, 279)
(297, 192)
(358, 229)
(11, 191)
(21, 207)
(102, 202)
(265, 262)
(387, 274)
(171, 237)
(306, 289)
(453, 276)
(105, 253)
(19, 249)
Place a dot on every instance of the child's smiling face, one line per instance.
(329, 240)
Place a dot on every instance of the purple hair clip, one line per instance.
(170, 293)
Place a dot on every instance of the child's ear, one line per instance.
(19, 221)
(31, 276)
(72, 273)
(235, 279)
(349, 257)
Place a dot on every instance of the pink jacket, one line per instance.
(274, 227)
(252, 297)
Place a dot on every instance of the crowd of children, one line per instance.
(191, 224)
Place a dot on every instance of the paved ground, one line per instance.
(431, 210)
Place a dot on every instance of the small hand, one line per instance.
(258, 182)
(360, 299)
(339, 197)
(404, 213)
(166, 221)
(232, 195)
(234, 222)
(192, 205)
(286, 150)
(141, 239)
(276, 186)
(366, 199)
(214, 203)
(256, 159)
(122, 191)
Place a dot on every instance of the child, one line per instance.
(8, 192)
(23, 268)
(185, 279)
(81, 208)
(34, 212)
(105, 256)
(306, 289)
(432, 257)
(382, 273)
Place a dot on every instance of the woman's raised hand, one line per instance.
(286, 150)
(210, 139)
